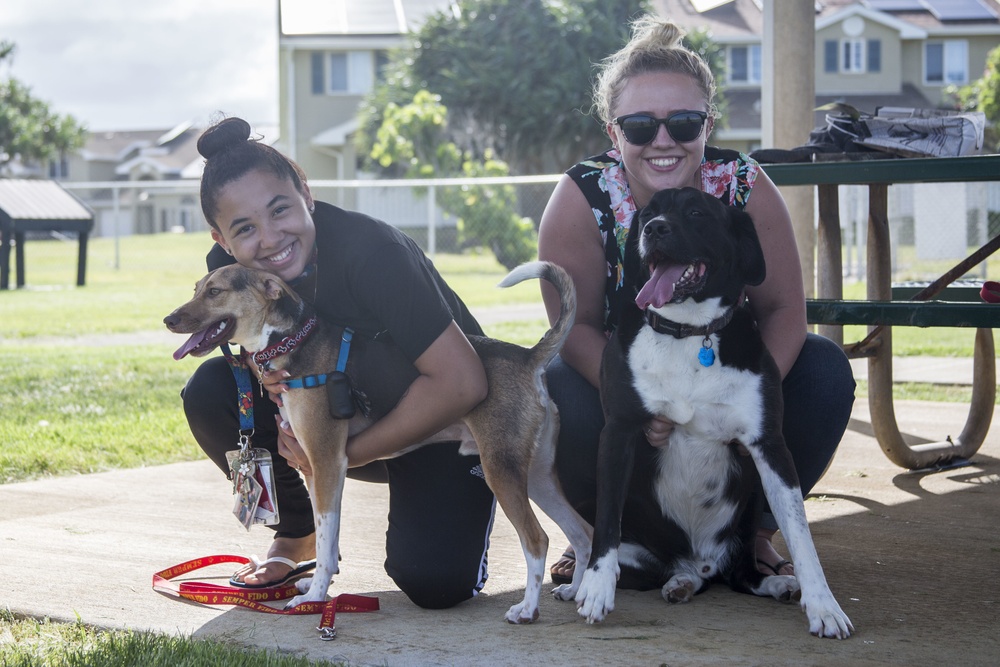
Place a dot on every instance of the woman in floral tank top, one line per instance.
(655, 98)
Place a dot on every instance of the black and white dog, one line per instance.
(689, 351)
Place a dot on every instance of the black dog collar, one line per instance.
(678, 330)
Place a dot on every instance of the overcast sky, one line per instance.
(141, 64)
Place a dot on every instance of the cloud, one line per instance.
(121, 64)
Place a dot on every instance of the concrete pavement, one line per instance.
(912, 557)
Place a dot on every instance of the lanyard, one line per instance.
(244, 392)
(253, 598)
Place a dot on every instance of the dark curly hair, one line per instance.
(230, 153)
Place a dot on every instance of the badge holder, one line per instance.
(250, 468)
(252, 472)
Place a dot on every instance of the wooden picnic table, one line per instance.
(879, 311)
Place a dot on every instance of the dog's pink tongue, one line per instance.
(194, 341)
(659, 289)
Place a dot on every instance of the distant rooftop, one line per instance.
(354, 17)
(730, 20)
(26, 199)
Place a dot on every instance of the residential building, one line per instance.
(868, 53)
(144, 163)
(144, 156)
(329, 56)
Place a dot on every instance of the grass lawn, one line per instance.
(79, 410)
(83, 396)
(157, 273)
(27, 642)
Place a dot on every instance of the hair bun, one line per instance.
(222, 136)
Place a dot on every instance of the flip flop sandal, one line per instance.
(776, 568)
(298, 570)
(562, 578)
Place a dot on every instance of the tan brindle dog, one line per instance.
(514, 429)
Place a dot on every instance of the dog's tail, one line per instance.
(548, 347)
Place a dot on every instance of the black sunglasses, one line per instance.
(641, 128)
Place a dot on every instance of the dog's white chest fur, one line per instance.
(710, 407)
(715, 402)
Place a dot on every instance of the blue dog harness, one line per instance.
(310, 381)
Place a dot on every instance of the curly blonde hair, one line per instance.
(655, 46)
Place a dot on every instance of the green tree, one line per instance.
(515, 75)
(28, 127)
(700, 41)
(412, 139)
(516, 79)
(983, 95)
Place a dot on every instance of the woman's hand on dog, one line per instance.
(658, 431)
(289, 447)
(274, 385)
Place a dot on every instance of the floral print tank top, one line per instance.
(726, 174)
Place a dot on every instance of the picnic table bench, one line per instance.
(881, 311)
(30, 205)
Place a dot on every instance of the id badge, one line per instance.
(254, 497)
(267, 508)
(246, 500)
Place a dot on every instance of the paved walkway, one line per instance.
(912, 558)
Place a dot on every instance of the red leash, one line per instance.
(990, 292)
(252, 598)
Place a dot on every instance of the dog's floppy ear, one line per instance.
(751, 256)
(273, 289)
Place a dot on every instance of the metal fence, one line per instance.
(927, 230)
(123, 208)
(927, 237)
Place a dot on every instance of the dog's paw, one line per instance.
(295, 602)
(522, 613)
(680, 588)
(827, 619)
(781, 587)
(304, 584)
(596, 597)
(312, 591)
(564, 592)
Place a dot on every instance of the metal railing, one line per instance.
(415, 206)
(122, 208)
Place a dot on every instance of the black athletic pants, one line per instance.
(440, 508)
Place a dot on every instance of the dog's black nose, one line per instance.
(656, 228)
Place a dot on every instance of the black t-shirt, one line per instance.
(376, 280)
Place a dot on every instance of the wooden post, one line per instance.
(829, 263)
(81, 262)
(788, 97)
